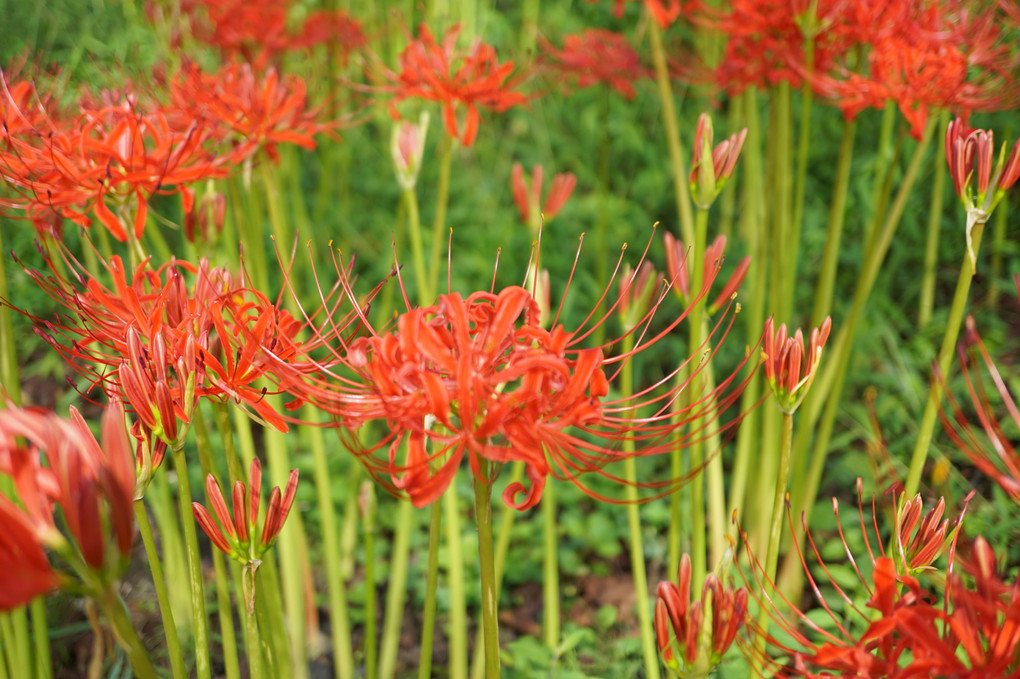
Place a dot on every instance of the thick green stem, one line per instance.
(397, 591)
(343, 656)
(368, 522)
(775, 535)
(431, 582)
(931, 250)
(256, 669)
(976, 225)
(458, 660)
(125, 632)
(529, 26)
(837, 217)
(998, 244)
(414, 231)
(490, 594)
(782, 228)
(439, 219)
(550, 568)
(173, 644)
(637, 550)
(506, 525)
(197, 582)
(696, 448)
(676, 151)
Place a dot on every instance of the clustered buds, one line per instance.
(679, 272)
(979, 179)
(712, 167)
(529, 199)
(704, 630)
(637, 293)
(933, 533)
(236, 535)
(407, 146)
(789, 367)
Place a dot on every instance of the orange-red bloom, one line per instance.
(598, 56)
(789, 366)
(677, 269)
(480, 377)
(529, 202)
(469, 79)
(53, 463)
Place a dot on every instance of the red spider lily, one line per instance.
(529, 203)
(60, 464)
(163, 344)
(598, 56)
(252, 110)
(252, 29)
(334, 28)
(468, 79)
(104, 164)
(789, 367)
(638, 291)
(905, 621)
(712, 167)
(665, 12)
(979, 179)
(727, 609)
(994, 454)
(236, 535)
(676, 268)
(480, 377)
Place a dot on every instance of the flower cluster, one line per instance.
(597, 56)
(790, 367)
(481, 377)
(470, 79)
(529, 199)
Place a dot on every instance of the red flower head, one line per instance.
(598, 56)
(106, 163)
(468, 79)
(480, 377)
(903, 620)
(529, 202)
(252, 29)
(55, 462)
(726, 610)
(712, 167)
(789, 367)
(250, 110)
(664, 12)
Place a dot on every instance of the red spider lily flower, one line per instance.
(700, 648)
(60, 464)
(27, 571)
(407, 148)
(929, 541)
(205, 222)
(252, 30)
(665, 12)
(236, 533)
(712, 167)
(994, 453)
(902, 623)
(529, 203)
(638, 290)
(789, 367)
(334, 28)
(677, 270)
(254, 111)
(479, 377)
(105, 164)
(162, 344)
(598, 56)
(468, 79)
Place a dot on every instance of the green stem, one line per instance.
(784, 231)
(439, 220)
(41, 636)
(837, 217)
(550, 568)
(490, 603)
(253, 639)
(197, 582)
(775, 533)
(931, 251)
(637, 550)
(458, 601)
(343, 656)
(173, 644)
(414, 230)
(696, 448)
(502, 549)
(676, 151)
(397, 591)
(428, 630)
(529, 26)
(998, 244)
(125, 632)
(883, 167)
(976, 224)
(371, 654)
